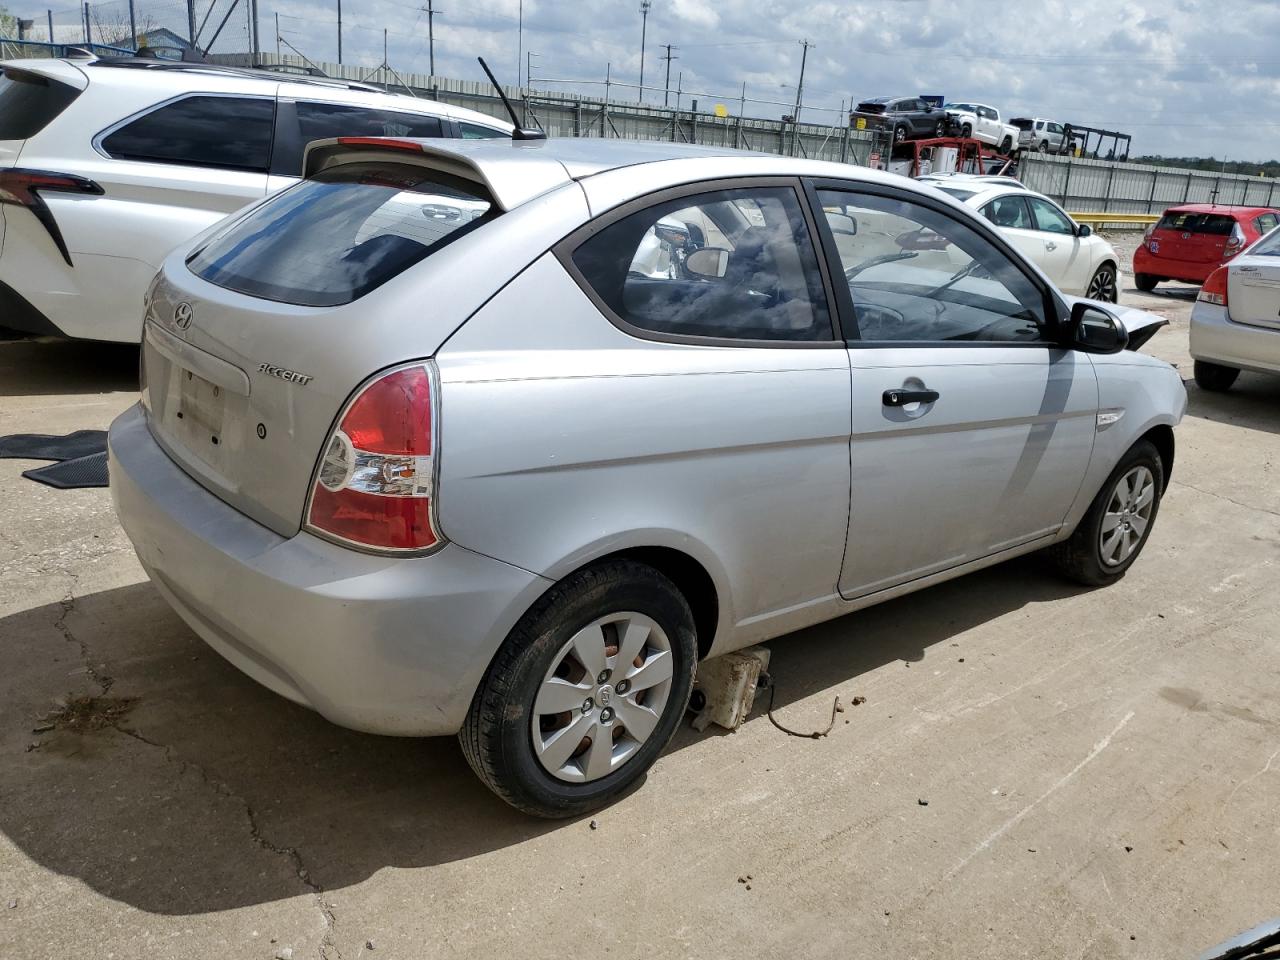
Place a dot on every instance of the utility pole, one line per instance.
(253, 28)
(800, 86)
(133, 28)
(191, 23)
(339, 32)
(666, 94)
(644, 29)
(87, 37)
(49, 14)
(277, 36)
(519, 43)
(431, 12)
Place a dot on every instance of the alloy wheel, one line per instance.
(602, 698)
(1127, 515)
(1103, 286)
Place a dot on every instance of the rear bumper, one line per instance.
(385, 645)
(17, 313)
(1217, 338)
(1167, 268)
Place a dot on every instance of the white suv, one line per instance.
(107, 165)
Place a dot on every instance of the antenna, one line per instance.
(520, 133)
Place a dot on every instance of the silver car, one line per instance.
(427, 442)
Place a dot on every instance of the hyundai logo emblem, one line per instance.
(182, 315)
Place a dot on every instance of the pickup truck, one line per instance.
(981, 122)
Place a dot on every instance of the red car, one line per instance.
(1191, 241)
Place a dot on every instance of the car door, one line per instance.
(971, 429)
(1012, 217)
(1066, 257)
(166, 174)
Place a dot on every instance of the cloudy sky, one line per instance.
(1184, 77)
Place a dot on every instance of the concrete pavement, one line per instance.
(1100, 769)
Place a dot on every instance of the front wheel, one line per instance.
(1115, 529)
(939, 129)
(1214, 376)
(966, 131)
(1044, 146)
(1103, 285)
(899, 134)
(1145, 282)
(1006, 145)
(585, 692)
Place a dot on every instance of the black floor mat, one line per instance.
(90, 471)
(43, 446)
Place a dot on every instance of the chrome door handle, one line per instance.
(1050, 245)
(898, 398)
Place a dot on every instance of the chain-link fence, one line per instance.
(221, 26)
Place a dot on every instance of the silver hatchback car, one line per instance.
(500, 438)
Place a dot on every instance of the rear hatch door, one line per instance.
(1253, 289)
(1192, 237)
(256, 339)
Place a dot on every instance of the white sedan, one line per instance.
(1235, 324)
(1075, 258)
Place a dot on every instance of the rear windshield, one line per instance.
(957, 192)
(1211, 224)
(1268, 246)
(28, 102)
(332, 239)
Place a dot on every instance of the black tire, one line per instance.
(1079, 558)
(966, 131)
(1044, 146)
(1006, 145)
(939, 129)
(1214, 376)
(1145, 282)
(899, 134)
(497, 737)
(1103, 285)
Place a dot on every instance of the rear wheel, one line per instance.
(1145, 282)
(1006, 145)
(585, 692)
(899, 134)
(1115, 529)
(966, 131)
(939, 129)
(1214, 376)
(1044, 146)
(1103, 285)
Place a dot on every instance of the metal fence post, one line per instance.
(1066, 186)
(1271, 192)
(693, 122)
(577, 119)
(1151, 200)
(844, 145)
(1187, 192)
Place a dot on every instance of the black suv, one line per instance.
(909, 118)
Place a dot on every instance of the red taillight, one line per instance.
(21, 187)
(1235, 243)
(1215, 288)
(376, 478)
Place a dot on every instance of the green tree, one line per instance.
(8, 23)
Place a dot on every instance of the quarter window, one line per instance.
(1266, 222)
(474, 131)
(735, 264)
(1049, 218)
(232, 133)
(321, 121)
(917, 275)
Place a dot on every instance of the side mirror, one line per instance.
(842, 223)
(673, 233)
(709, 263)
(1095, 330)
(1084, 230)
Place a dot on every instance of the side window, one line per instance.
(919, 276)
(474, 131)
(1049, 218)
(904, 106)
(1055, 128)
(320, 121)
(736, 264)
(233, 133)
(1009, 212)
(1266, 222)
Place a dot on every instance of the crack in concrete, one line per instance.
(328, 945)
(67, 605)
(1219, 496)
